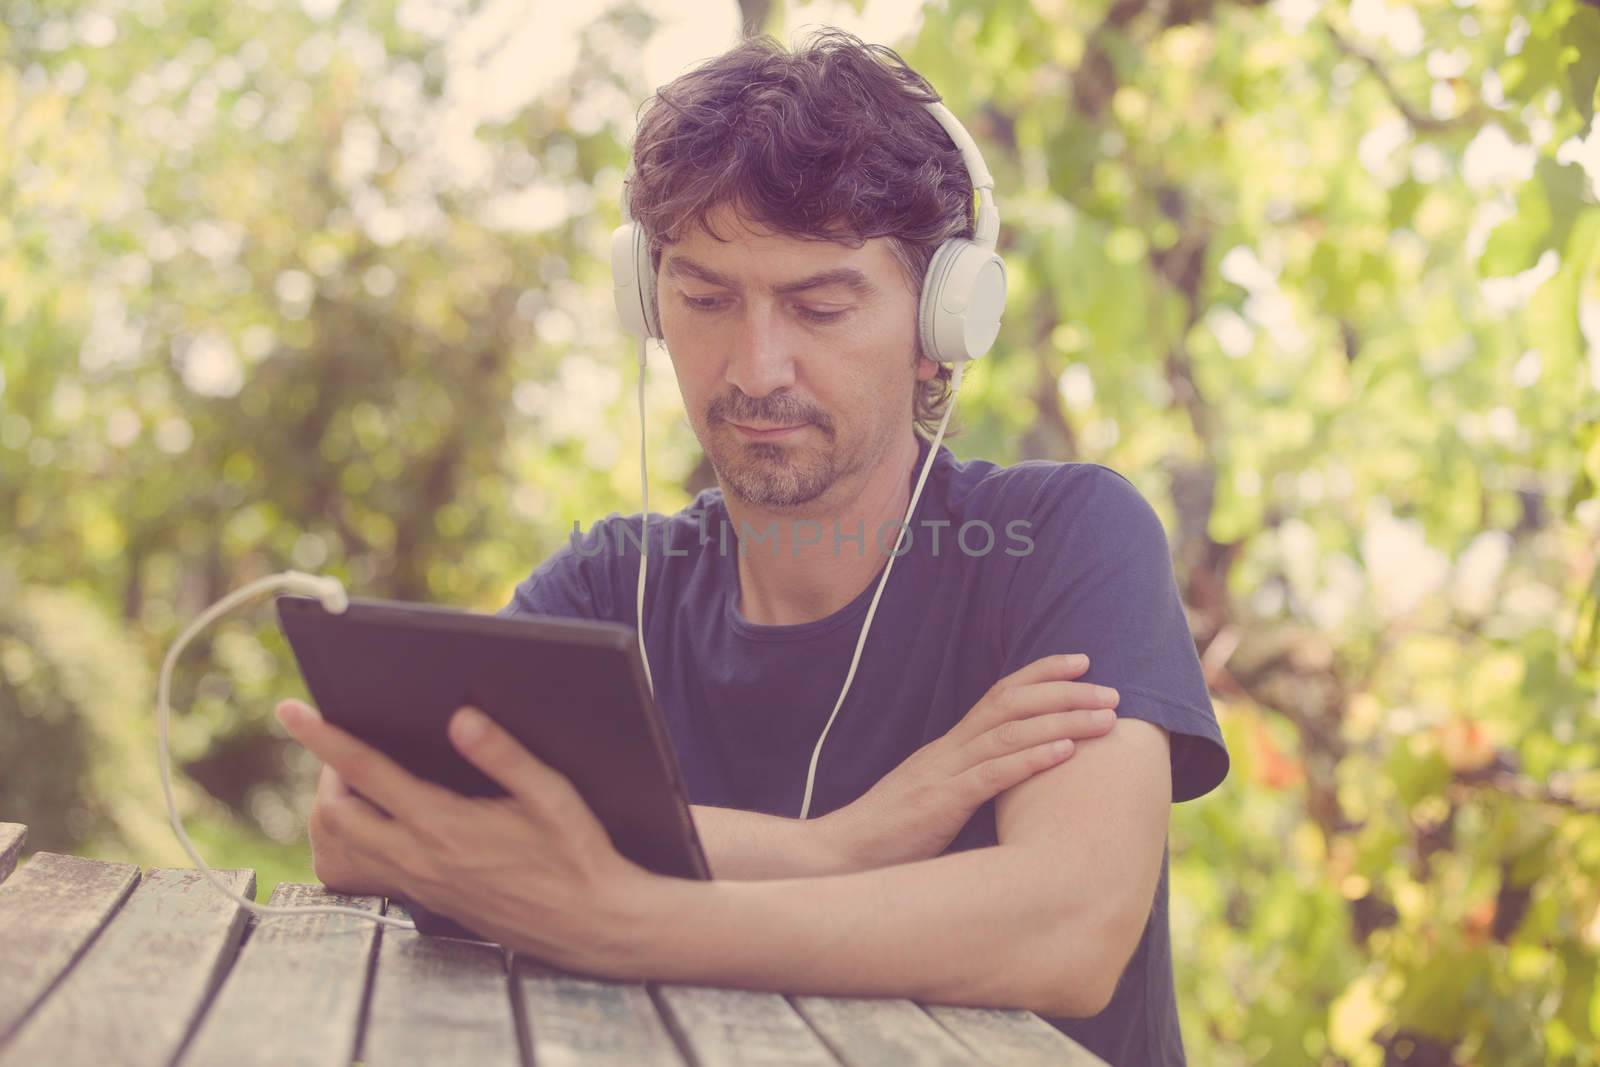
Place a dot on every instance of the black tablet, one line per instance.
(572, 691)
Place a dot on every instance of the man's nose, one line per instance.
(762, 359)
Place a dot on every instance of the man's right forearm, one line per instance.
(749, 846)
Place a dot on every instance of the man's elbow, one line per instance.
(1075, 995)
(1094, 991)
(1083, 972)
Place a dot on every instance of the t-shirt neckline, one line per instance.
(854, 611)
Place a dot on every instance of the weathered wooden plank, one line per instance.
(867, 1032)
(12, 837)
(438, 1000)
(573, 1020)
(50, 911)
(308, 970)
(139, 988)
(1012, 1038)
(740, 1028)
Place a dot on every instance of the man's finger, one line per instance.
(993, 777)
(1026, 701)
(1046, 668)
(330, 786)
(489, 747)
(336, 784)
(356, 802)
(378, 844)
(363, 768)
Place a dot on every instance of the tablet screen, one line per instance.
(572, 691)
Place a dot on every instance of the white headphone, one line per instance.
(958, 318)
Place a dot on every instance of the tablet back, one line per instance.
(571, 690)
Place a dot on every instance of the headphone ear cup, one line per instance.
(963, 297)
(633, 282)
(647, 282)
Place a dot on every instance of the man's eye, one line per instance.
(712, 303)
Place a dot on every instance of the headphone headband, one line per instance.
(987, 229)
(963, 294)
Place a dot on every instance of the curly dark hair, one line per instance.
(829, 142)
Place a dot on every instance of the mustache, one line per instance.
(779, 409)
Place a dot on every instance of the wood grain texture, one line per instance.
(882, 1032)
(1013, 1038)
(573, 1020)
(134, 995)
(13, 835)
(439, 1000)
(50, 912)
(294, 995)
(740, 1028)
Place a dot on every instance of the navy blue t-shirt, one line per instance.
(1005, 565)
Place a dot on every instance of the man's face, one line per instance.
(769, 331)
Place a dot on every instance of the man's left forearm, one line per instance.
(988, 927)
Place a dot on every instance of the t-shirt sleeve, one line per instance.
(577, 580)
(1098, 579)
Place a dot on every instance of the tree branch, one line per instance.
(1420, 121)
(1557, 792)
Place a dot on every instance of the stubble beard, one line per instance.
(775, 475)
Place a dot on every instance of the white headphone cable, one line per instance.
(644, 525)
(333, 598)
(905, 527)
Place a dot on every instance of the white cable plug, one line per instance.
(335, 600)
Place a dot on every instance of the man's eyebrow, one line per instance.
(849, 277)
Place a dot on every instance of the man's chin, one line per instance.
(769, 496)
(773, 476)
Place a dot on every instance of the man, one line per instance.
(953, 854)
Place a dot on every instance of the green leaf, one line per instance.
(1516, 244)
(1581, 35)
(1547, 206)
(1565, 188)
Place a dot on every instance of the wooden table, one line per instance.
(99, 964)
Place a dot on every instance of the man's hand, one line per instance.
(1027, 722)
(534, 870)
(332, 860)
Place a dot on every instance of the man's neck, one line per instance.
(815, 560)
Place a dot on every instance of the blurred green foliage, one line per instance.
(1320, 277)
